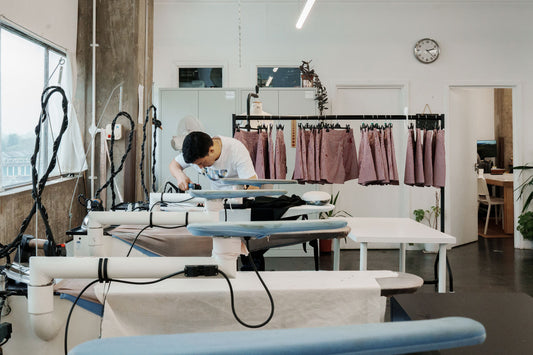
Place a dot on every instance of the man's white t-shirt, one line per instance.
(234, 157)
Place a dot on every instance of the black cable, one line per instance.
(65, 340)
(157, 124)
(142, 230)
(38, 184)
(113, 171)
(264, 285)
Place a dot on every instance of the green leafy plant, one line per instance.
(525, 220)
(431, 215)
(525, 186)
(525, 225)
(333, 213)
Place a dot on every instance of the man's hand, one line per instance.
(183, 181)
(181, 178)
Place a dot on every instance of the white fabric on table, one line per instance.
(301, 299)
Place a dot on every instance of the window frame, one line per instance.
(203, 66)
(45, 130)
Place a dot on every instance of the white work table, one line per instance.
(395, 230)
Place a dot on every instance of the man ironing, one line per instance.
(217, 153)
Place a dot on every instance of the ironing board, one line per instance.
(261, 229)
(380, 338)
(255, 182)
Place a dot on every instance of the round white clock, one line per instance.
(426, 50)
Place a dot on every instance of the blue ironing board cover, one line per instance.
(362, 339)
(255, 182)
(218, 194)
(260, 229)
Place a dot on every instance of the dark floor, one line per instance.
(488, 265)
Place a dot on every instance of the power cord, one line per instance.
(103, 278)
(157, 124)
(38, 184)
(113, 171)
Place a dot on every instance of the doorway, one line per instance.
(478, 114)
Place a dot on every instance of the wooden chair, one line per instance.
(485, 198)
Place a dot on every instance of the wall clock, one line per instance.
(426, 50)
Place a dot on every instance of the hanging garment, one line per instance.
(249, 139)
(298, 174)
(409, 176)
(381, 135)
(377, 156)
(305, 146)
(311, 151)
(439, 165)
(349, 155)
(318, 147)
(367, 171)
(271, 156)
(331, 156)
(281, 155)
(391, 157)
(428, 158)
(261, 160)
(419, 159)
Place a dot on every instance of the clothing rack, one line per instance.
(420, 120)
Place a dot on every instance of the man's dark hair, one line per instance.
(195, 146)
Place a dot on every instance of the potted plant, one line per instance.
(525, 220)
(431, 215)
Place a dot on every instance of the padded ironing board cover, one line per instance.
(301, 298)
(261, 229)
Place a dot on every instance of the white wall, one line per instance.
(53, 20)
(357, 42)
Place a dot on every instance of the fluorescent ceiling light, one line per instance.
(269, 80)
(307, 8)
(275, 70)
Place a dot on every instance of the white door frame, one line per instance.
(517, 136)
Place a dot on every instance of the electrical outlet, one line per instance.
(118, 131)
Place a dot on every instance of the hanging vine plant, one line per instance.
(309, 76)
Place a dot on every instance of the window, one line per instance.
(200, 77)
(27, 66)
(279, 77)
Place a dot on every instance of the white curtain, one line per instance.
(71, 157)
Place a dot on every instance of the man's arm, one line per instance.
(177, 171)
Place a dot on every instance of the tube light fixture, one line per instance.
(269, 81)
(307, 8)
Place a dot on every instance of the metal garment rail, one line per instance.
(419, 118)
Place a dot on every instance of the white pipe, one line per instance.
(98, 219)
(92, 129)
(43, 270)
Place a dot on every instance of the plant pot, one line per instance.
(325, 246)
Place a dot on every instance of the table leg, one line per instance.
(508, 209)
(336, 254)
(363, 249)
(442, 268)
(402, 257)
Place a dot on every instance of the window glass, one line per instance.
(200, 77)
(279, 77)
(25, 68)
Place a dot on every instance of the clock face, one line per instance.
(426, 50)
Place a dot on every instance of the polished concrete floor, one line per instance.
(488, 265)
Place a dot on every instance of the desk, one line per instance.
(506, 181)
(394, 230)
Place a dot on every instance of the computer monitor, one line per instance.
(487, 149)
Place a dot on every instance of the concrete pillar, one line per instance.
(123, 59)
